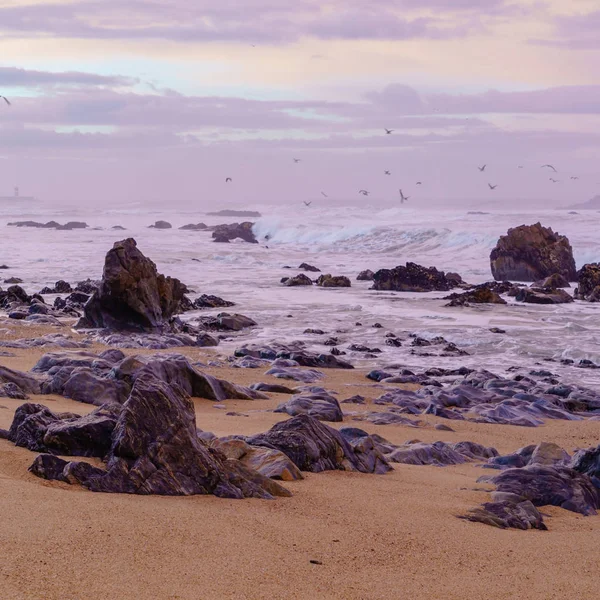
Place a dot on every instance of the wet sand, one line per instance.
(377, 536)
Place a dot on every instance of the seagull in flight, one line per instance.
(574, 177)
(520, 166)
(296, 160)
(228, 180)
(492, 187)
(388, 131)
(386, 173)
(419, 183)
(6, 100)
(364, 192)
(324, 195)
(482, 169)
(554, 180)
(307, 203)
(550, 167)
(403, 198)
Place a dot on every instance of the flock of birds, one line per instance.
(364, 192)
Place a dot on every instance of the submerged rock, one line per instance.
(411, 278)
(531, 253)
(543, 296)
(298, 280)
(479, 295)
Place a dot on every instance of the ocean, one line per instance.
(341, 241)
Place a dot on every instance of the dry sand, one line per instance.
(377, 536)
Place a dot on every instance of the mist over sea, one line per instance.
(341, 241)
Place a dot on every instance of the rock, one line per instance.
(328, 281)
(14, 294)
(295, 374)
(442, 427)
(13, 280)
(315, 447)
(354, 400)
(24, 381)
(543, 296)
(531, 253)
(60, 287)
(209, 301)
(18, 315)
(497, 330)
(306, 267)
(455, 279)
(437, 454)
(411, 278)
(555, 486)
(589, 283)
(587, 462)
(515, 514)
(88, 286)
(235, 213)
(118, 228)
(227, 322)
(320, 406)
(300, 279)
(553, 282)
(72, 225)
(194, 227)
(481, 294)
(161, 225)
(132, 294)
(156, 450)
(226, 233)
(319, 361)
(367, 275)
(268, 462)
(272, 388)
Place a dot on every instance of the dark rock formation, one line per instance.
(295, 374)
(60, 287)
(321, 406)
(481, 294)
(543, 296)
(226, 233)
(209, 301)
(161, 225)
(328, 281)
(50, 225)
(13, 280)
(553, 282)
(367, 275)
(194, 227)
(88, 286)
(411, 278)
(531, 253)
(589, 283)
(227, 322)
(512, 512)
(315, 447)
(306, 267)
(300, 279)
(132, 294)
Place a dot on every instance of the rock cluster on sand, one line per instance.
(132, 294)
(232, 231)
(412, 278)
(531, 253)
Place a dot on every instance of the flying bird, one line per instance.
(520, 166)
(228, 179)
(419, 183)
(6, 100)
(492, 187)
(388, 131)
(307, 203)
(554, 180)
(403, 198)
(574, 177)
(296, 160)
(387, 173)
(550, 167)
(324, 195)
(364, 192)
(482, 169)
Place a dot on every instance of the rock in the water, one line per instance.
(411, 278)
(531, 253)
(226, 233)
(194, 227)
(161, 225)
(367, 275)
(589, 283)
(543, 296)
(300, 279)
(328, 281)
(481, 294)
(209, 301)
(553, 282)
(315, 447)
(306, 267)
(321, 406)
(132, 294)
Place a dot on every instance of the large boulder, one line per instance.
(132, 294)
(232, 231)
(411, 278)
(321, 406)
(531, 253)
(543, 296)
(589, 283)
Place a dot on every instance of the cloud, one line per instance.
(15, 77)
(575, 32)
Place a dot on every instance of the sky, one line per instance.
(155, 101)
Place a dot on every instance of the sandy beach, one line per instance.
(377, 536)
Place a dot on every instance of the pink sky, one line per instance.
(125, 100)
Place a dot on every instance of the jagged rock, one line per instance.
(60, 287)
(156, 450)
(439, 453)
(315, 447)
(88, 286)
(543, 296)
(319, 361)
(532, 252)
(328, 281)
(553, 282)
(13, 280)
(587, 462)
(14, 294)
(25, 382)
(209, 301)
(455, 279)
(226, 233)
(132, 294)
(367, 275)
(11, 390)
(321, 406)
(72, 225)
(589, 283)
(294, 374)
(306, 267)
(411, 278)
(300, 279)
(556, 486)
(268, 462)
(161, 225)
(194, 227)
(227, 322)
(481, 294)
(515, 514)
